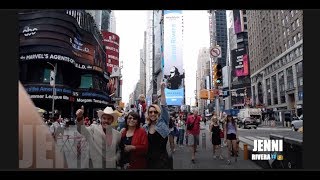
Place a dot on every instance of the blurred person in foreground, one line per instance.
(33, 129)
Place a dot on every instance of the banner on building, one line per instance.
(173, 64)
(111, 42)
(237, 22)
(225, 76)
(240, 62)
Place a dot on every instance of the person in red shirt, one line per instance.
(142, 111)
(193, 131)
(134, 143)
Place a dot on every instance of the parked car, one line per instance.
(248, 122)
(297, 124)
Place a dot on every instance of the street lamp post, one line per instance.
(53, 75)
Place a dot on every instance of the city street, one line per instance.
(246, 136)
(204, 158)
(181, 157)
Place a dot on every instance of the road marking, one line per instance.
(273, 129)
(249, 142)
(260, 137)
(251, 138)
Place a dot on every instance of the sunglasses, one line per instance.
(155, 112)
(132, 118)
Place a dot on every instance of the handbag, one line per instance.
(221, 134)
(190, 126)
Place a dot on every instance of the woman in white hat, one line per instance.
(103, 140)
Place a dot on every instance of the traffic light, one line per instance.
(217, 75)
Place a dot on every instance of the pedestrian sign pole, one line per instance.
(215, 53)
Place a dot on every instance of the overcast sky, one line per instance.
(130, 26)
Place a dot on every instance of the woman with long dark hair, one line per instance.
(134, 143)
(231, 136)
(157, 127)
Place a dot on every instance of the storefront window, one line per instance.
(46, 75)
(86, 81)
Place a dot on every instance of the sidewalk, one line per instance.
(69, 148)
(204, 156)
(204, 160)
(181, 157)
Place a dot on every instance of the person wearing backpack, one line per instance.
(193, 131)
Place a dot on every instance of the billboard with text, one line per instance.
(240, 62)
(111, 42)
(173, 64)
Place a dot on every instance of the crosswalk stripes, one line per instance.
(264, 138)
(249, 140)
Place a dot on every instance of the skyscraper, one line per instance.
(113, 22)
(275, 48)
(240, 74)
(203, 80)
(221, 34)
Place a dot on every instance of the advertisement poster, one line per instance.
(240, 62)
(172, 62)
(237, 21)
(111, 42)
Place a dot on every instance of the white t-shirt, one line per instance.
(56, 128)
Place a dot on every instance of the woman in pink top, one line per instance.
(231, 136)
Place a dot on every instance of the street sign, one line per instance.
(52, 78)
(116, 98)
(215, 52)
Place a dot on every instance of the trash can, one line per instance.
(275, 163)
(292, 157)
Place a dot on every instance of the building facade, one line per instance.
(149, 55)
(240, 90)
(276, 51)
(113, 25)
(69, 42)
(221, 34)
(157, 51)
(142, 72)
(105, 20)
(203, 80)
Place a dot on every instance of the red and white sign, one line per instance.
(111, 42)
(215, 51)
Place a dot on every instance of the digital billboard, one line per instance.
(240, 62)
(111, 42)
(173, 65)
(237, 21)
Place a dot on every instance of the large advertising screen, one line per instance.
(237, 21)
(173, 65)
(111, 41)
(240, 62)
(57, 37)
